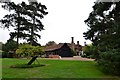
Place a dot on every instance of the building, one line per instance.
(64, 49)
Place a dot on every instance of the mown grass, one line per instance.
(53, 69)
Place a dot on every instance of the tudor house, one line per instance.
(64, 49)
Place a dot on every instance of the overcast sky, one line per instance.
(64, 20)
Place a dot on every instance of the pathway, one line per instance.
(72, 58)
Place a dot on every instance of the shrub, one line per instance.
(29, 50)
(4, 54)
(110, 62)
(72, 53)
(90, 51)
(10, 45)
(84, 55)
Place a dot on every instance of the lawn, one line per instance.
(53, 69)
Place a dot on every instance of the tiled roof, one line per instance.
(58, 46)
(53, 47)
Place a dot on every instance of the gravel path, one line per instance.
(72, 58)
(78, 58)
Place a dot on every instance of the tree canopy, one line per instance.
(50, 43)
(1, 45)
(29, 50)
(10, 45)
(103, 31)
(25, 19)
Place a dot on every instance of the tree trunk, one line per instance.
(18, 29)
(32, 29)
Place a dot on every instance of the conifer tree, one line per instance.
(104, 29)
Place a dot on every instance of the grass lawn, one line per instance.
(53, 69)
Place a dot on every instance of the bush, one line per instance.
(110, 62)
(84, 55)
(4, 54)
(10, 45)
(72, 53)
(92, 56)
(29, 50)
(90, 51)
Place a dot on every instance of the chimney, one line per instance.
(72, 43)
(72, 39)
(77, 42)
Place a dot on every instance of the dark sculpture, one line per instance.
(32, 60)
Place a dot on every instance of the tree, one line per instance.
(90, 51)
(10, 45)
(29, 50)
(104, 29)
(50, 43)
(14, 19)
(37, 50)
(35, 12)
(1, 45)
(26, 18)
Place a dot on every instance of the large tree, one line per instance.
(104, 29)
(34, 12)
(14, 19)
(26, 20)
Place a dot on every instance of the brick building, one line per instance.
(64, 49)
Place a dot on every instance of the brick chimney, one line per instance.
(72, 43)
(85, 44)
(72, 39)
(78, 43)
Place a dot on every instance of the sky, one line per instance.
(65, 19)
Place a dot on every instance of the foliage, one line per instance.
(35, 12)
(50, 43)
(24, 50)
(110, 61)
(90, 51)
(14, 19)
(10, 45)
(4, 54)
(104, 29)
(29, 50)
(1, 45)
(72, 53)
(25, 19)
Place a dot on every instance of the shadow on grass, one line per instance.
(27, 66)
